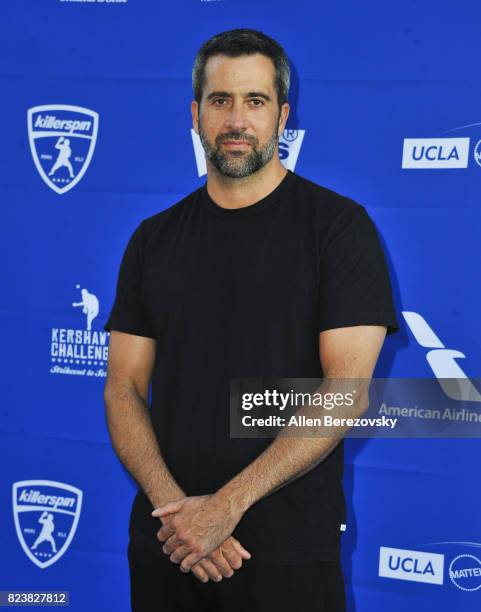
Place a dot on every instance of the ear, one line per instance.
(283, 116)
(194, 108)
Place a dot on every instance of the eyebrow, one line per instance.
(226, 94)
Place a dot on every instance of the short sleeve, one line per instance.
(128, 312)
(355, 288)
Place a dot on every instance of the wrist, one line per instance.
(160, 498)
(234, 498)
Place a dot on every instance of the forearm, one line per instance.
(285, 460)
(136, 446)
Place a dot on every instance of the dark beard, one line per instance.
(238, 164)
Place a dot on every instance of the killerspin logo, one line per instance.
(46, 514)
(62, 142)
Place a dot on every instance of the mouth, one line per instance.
(236, 144)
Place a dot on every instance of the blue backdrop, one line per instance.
(385, 109)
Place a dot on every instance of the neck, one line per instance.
(240, 192)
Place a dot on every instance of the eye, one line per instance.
(219, 100)
(261, 102)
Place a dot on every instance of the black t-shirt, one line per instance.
(244, 293)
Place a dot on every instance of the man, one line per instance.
(258, 273)
(63, 158)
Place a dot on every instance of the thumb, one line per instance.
(167, 518)
(168, 508)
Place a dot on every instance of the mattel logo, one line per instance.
(411, 565)
(429, 153)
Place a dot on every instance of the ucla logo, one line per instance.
(46, 515)
(62, 141)
(434, 153)
(412, 565)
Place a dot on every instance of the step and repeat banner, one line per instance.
(96, 136)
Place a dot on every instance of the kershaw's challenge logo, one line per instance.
(88, 348)
(46, 515)
(62, 141)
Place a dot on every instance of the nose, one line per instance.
(236, 118)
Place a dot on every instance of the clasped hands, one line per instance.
(196, 533)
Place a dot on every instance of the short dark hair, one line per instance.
(235, 43)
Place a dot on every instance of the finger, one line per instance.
(210, 568)
(221, 563)
(173, 506)
(245, 554)
(232, 556)
(171, 545)
(180, 554)
(200, 573)
(165, 532)
(188, 559)
(166, 518)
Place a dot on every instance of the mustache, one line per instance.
(238, 137)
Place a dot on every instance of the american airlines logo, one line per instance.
(442, 360)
